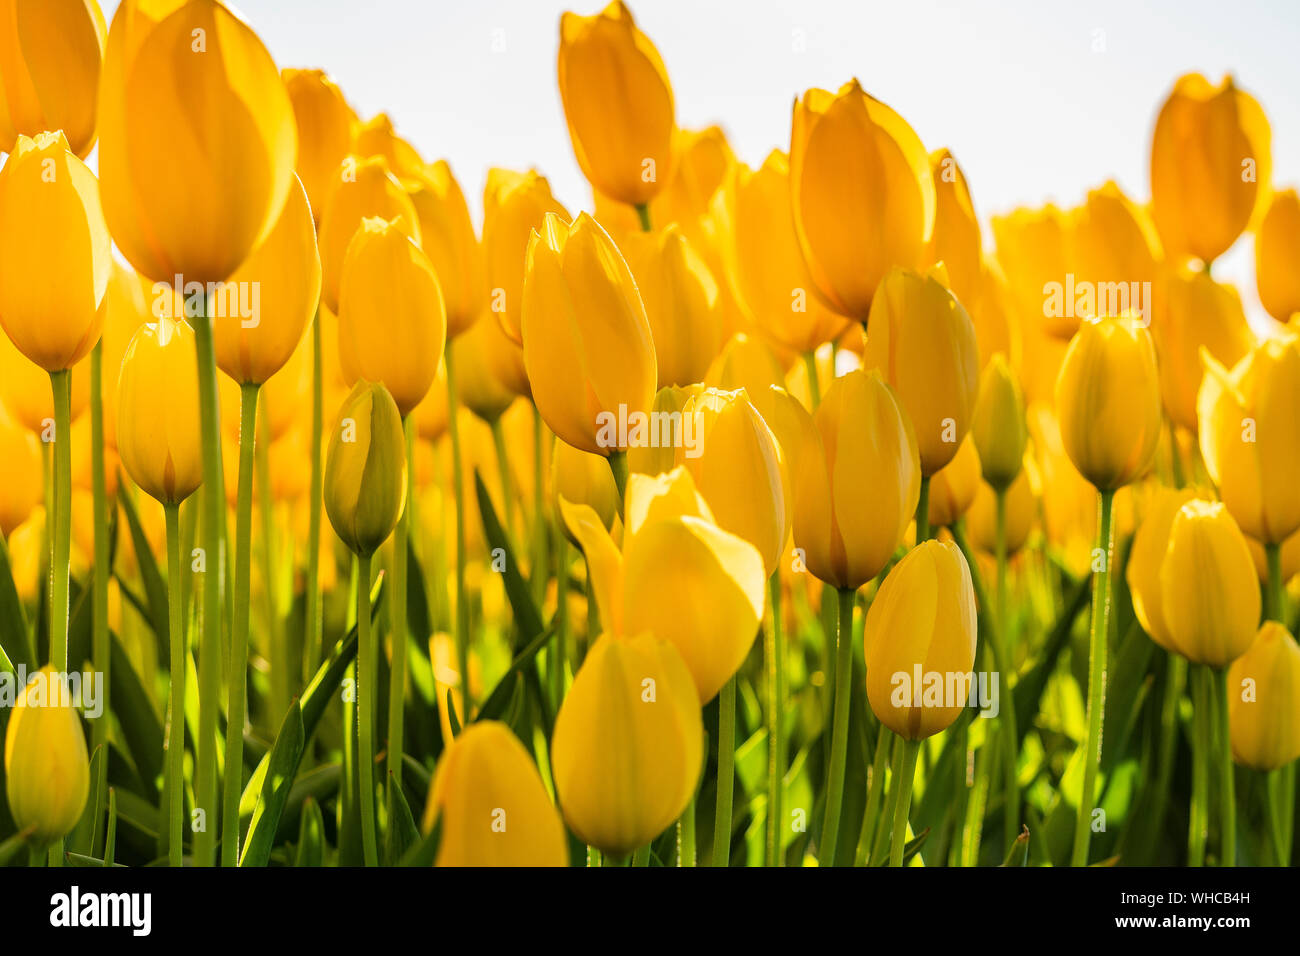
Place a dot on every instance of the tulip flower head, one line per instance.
(1264, 700)
(1277, 248)
(47, 772)
(365, 468)
(998, 424)
(326, 125)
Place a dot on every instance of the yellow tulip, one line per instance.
(285, 272)
(493, 808)
(920, 632)
(1115, 242)
(47, 772)
(431, 415)
(991, 313)
(764, 262)
(855, 494)
(627, 748)
(1277, 250)
(953, 487)
(998, 424)
(514, 206)
(448, 239)
(1108, 400)
(284, 401)
(582, 479)
(922, 341)
(587, 343)
(392, 323)
(1022, 512)
(1034, 247)
(26, 393)
(681, 303)
(167, 166)
(365, 468)
(55, 253)
(21, 491)
(476, 356)
(1264, 700)
(862, 194)
(1196, 313)
(29, 555)
(618, 104)
(376, 137)
(655, 458)
(1249, 438)
(956, 240)
(363, 188)
(1210, 166)
(1150, 545)
(1209, 593)
(1290, 557)
(745, 362)
(326, 125)
(158, 412)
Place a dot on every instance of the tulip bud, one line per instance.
(953, 487)
(47, 772)
(158, 412)
(1210, 166)
(21, 491)
(956, 240)
(1108, 400)
(856, 493)
(862, 194)
(392, 322)
(55, 253)
(1209, 593)
(1022, 512)
(49, 68)
(477, 356)
(745, 362)
(1264, 701)
(618, 104)
(1150, 545)
(921, 626)
(282, 279)
(587, 343)
(998, 424)
(326, 124)
(376, 137)
(582, 479)
(492, 804)
(365, 469)
(991, 313)
(1033, 248)
(627, 747)
(448, 239)
(1115, 242)
(922, 341)
(1277, 249)
(681, 303)
(191, 191)
(1249, 438)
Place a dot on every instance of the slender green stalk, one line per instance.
(643, 214)
(839, 730)
(507, 491)
(315, 650)
(923, 511)
(1276, 609)
(903, 781)
(977, 800)
(875, 789)
(174, 757)
(213, 563)
(1175, 683)
(367, 691)
(61, 383)
(541, 551)
(276, 639)
(1199, 815)
(618, 467)
(1098, 638)
(814, 384)
(1227, 785)
(1003, 638)
(1175, 456)
(561, 646)
(99, 585)
(1276, 787)
(774, 653)
(398, 623)
(458, 492)
(642, 856)
(686, 836)
(726, 773)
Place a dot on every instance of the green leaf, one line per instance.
(426, 850)
(451, 715)
(14, 846)
(281, 770)
(155, 589)
(528, 619)
(140, 727)
(1018, 855)
(402, 832)
(499, 701)
(311, 835)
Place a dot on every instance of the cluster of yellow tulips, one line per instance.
(751, 516)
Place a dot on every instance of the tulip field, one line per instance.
(771, 511)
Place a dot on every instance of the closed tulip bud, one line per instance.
(587, 343)
(1208, 589)
(1022, 512)
(681, 303)
(1249, 438)
(701, 161)
(363, 188)
(47, 772)
(956, 240)
(1108, 401)
(50, 58)
(26, 393)
(628, 742)
(448, 239)
(922, 341)
(514, 206)
(766, 267)
(1150, 545)
(21, 490)
(856, 493)
(953, 487)
(1114, 241)
(365, 469)
(158, 412)
(998, 424)
(1197, 312)
(376, 137)
(392, 322)
(1034, 248)
(656, 458)
(326, 125)
(1264, 701)
(493, 808)
(745, 362)
(583, 479)
(862, 194)
(618, 104)
(921, 626)
(191, 186)
(1277, 250)
(285, 272)
(1210, 166)
(55, 253)
(477, 357)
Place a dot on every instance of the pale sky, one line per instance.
(1038, 99)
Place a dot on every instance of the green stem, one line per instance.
(540, 524)
(839, 730)
(903, 781)
(686, 836)
(1227, 783)
(99, 586)
(814, 384)
(313, 634)
(618, 468)
(775, 655)
(923, 511)
(1175, 456)
(61, 383)
(458, 491)
(1276, 609)
(1199, 814)
(1175, 682)
(643, 214)
(874, 791)
(641, 857)
(175, 751)
(397, 614)
(561, 646)
(367, 690)
(1003, 639)
(503, 468)
(276, 639)
(726, 773)
(1096, 678)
